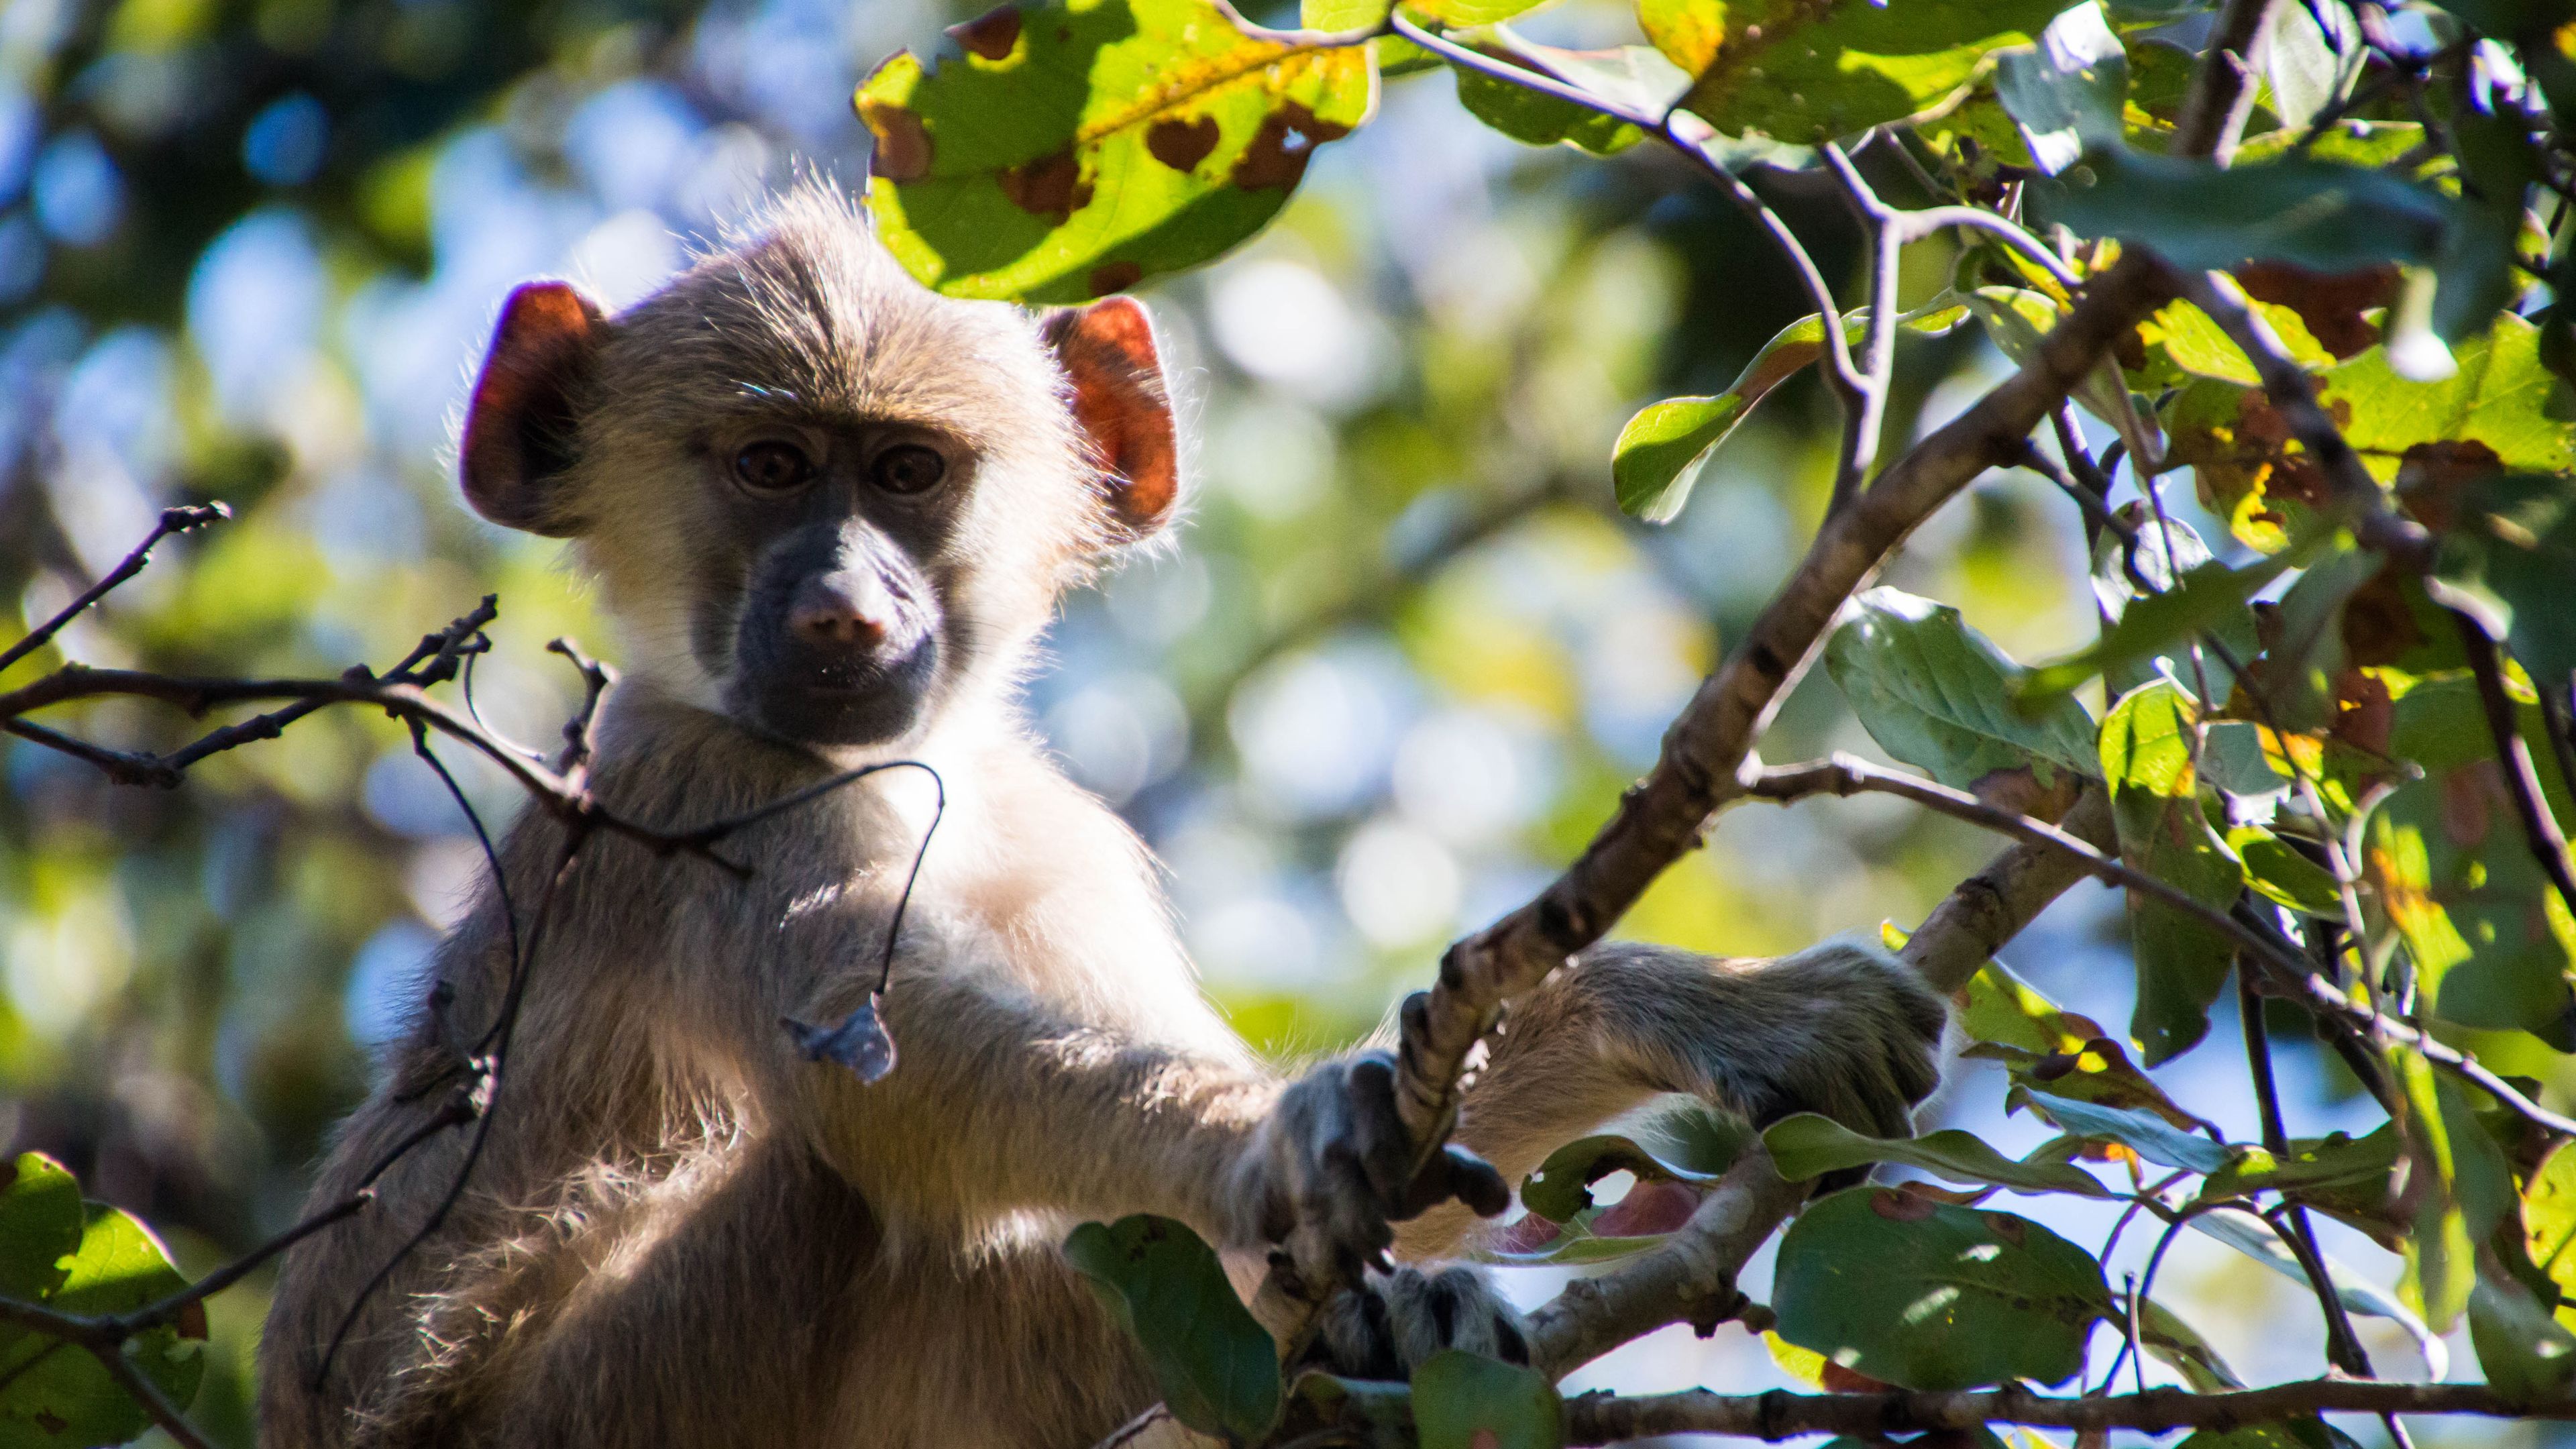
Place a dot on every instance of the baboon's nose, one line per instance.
(841, 610)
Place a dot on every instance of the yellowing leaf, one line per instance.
(1075, 150)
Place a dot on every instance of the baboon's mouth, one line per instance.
(851, 702)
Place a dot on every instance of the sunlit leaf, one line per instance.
(2549, 1225)
(1930, 1296)
(2492, 943)
(2182, 960)
(2283, 874)
(2497, 413)
(1937, 694)
(1662, 450)
(1808, 1145)
(55, 1393)
(40, 1226)
(1802, 72)
(2067, 91)
(1075, 150)
(1216, 1367)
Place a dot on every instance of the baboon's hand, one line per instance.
(1334, 1166)
(1390, 1322)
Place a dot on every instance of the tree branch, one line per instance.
(2521, 780)
(173, 520)
(2223, 87)
(1608, 1419)
(1661, 818)
(1691, 1276)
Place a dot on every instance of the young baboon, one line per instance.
(831, 512)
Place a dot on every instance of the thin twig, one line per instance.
(1842, 774)
(2223, 88)
(173, 520)
(2521, 781)
(1863, 423)
(1299, 37)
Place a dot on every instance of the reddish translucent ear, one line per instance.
(519, 428)
(1122, 405)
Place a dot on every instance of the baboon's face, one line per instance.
(823, 606)
(821, 499)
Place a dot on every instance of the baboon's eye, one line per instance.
(772, 467)
(909, 468)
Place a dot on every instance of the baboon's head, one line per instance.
(821, 498)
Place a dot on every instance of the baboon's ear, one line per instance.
(519, 428)
(1122, 405)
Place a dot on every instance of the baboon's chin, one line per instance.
(863, 706)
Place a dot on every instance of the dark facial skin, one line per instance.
(834, 632)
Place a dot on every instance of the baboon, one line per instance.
(831, 513)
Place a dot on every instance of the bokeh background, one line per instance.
(1393, 671)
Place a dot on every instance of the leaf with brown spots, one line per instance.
(2502, 410)
(1802, 72)
(1928, 1296)
(1078, 149)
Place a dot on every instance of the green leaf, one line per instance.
(2283, 875)
(1929, 1296)
(2209, 597)
(2499, 412)
(40, 1225)
(2069, 90)
(2511, 561)
(1807, 1145)
(2549, 1225)
(2492, 944)
(1688, 1144)
(56, 1393)
(2335, 1160)
(2303, 647)
(1939, 695)
(2056, 1051)
(1466, 1401)
(2308, 66)
(1805, 73)
(2460, 1190)
(2016, 318)
(2201, 217)
(1536, 119)
(1662, 450)
(1217, 1368)
(1074, 150)
(2144, 1133)
(2528, 1355)
(2182, 960)
(1342, 14)
(2194, 342)
(2166, 549)
(2310, 1432)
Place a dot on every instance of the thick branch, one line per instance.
(1691, 1276)
(1661, 818)
(1605, 1419)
